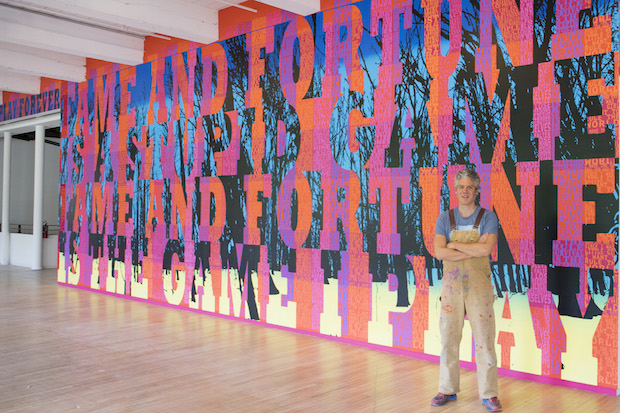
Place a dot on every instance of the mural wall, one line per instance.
(293, 176)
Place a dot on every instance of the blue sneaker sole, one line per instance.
(485, 402)
(450, 399)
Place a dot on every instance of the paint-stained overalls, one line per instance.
(467, 290)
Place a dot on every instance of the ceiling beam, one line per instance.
(184, 19)
(19, 83)
(40, 63)
(56, 34)
(49, 119)
(301, 7)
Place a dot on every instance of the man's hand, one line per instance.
(485, 246)
(483, 238)
(443, 251)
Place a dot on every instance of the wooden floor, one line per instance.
(64, 349)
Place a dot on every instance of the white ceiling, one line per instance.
(53, 38)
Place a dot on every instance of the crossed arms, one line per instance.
(458, 251)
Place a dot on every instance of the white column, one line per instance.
(5, 250)
(37, 207)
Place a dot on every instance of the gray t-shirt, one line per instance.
(488, 224)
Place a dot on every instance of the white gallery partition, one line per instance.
(22, 249)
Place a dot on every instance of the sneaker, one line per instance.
(492, 404)
(442, 399)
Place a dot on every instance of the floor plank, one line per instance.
(65, 349)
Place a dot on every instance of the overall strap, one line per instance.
(479, 218)
(452, 220)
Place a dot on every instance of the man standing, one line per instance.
(467, 290)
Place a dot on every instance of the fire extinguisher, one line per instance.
(45, 231)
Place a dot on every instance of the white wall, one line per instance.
(21, 250)
(22, 181)
(51, 173)
(50, 252)
(22, 198)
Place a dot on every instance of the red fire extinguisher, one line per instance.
(45, 230)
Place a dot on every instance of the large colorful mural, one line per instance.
(293, 176)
